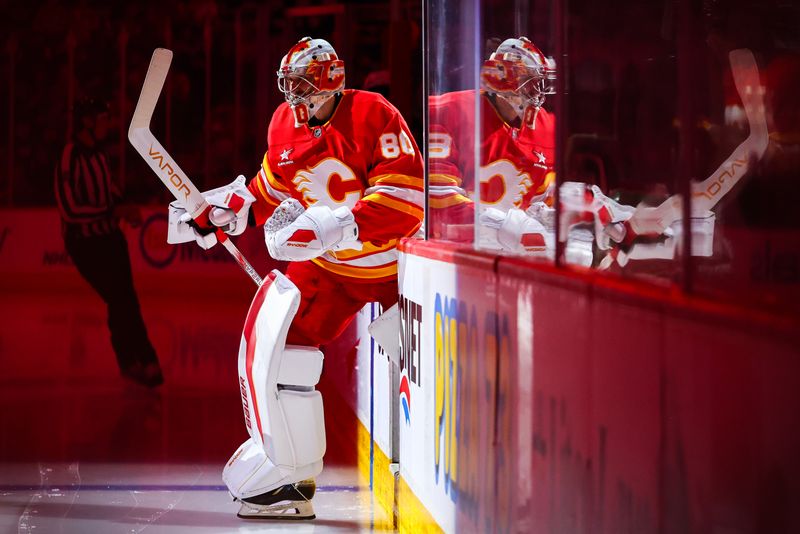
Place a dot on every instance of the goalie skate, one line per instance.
(290, 502)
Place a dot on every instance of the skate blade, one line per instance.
(290, 511)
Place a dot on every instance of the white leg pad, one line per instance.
(249, 472)
(300, 366)
(283, 411)
(298, 434)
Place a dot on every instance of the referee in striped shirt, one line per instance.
(88, 200)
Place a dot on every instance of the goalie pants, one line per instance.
(103, 261)
(329, 302)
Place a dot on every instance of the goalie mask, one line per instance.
(310, 74)
(520, 74)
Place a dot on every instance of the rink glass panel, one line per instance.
(462, 179)
(510, 176)
(649, 110)
(755, 256)
(621, 128)
(655, 110)
(451, 62)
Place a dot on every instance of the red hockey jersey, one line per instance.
(365, 158)
(516, 164)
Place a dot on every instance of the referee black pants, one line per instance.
(103, 261)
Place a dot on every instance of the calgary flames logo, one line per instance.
(329, 181)
(503, 185)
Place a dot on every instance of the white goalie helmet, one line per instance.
(519, 73)
(309, 75)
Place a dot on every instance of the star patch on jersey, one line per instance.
(542, 160)
(285, 157)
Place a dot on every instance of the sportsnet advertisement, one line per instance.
(448, 361)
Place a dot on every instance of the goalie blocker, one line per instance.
(282, 411)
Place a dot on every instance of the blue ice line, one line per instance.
(148, 487)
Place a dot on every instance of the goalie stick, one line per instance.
(161, 162)
(706, 194)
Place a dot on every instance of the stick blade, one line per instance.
(744, 68)
(151, 89)
(748, 84)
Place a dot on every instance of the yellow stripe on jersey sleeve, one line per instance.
(367, 250)
(549, 178)
(398, 180)
(444, 179)
(395, 203)
(274, 182)
(269, 199)
(447, 201)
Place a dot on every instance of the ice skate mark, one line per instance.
(47, 492)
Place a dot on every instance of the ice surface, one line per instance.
(153, 498)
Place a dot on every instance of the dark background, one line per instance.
(221, 91)
(61, 391)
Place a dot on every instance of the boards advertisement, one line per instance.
(449, 350)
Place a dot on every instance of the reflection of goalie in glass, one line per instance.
(516, 178)
(623, 233)
(516, 163)
(656, 232)
(616, 233)
(516, 152)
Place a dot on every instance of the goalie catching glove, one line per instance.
(588, 216)
(514, 231)
(296, 234)
(230, 206)
(586, 205)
